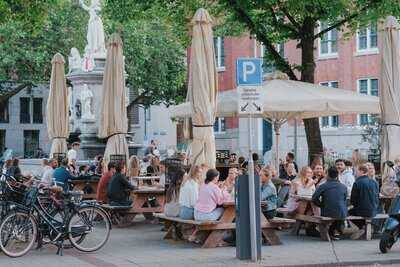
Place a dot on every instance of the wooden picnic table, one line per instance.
(227, 221)
(308, 213)
(144, 199)
(79, 185)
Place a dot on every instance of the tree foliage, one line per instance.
(31, 32)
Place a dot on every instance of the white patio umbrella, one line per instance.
(284, 99)
(57, 116)
(202, 89)
(390, 91)
(113, 117)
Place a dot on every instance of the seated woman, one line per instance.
(304, 185)
(171, 208)
(210, 197)
(119, 188)
(268, 194)
(189, 194)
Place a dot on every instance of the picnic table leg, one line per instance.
(296, 228)
(214, 239)
(271, 237)
(324, 231)
(368, 229)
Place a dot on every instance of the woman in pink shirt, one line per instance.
(210, 197)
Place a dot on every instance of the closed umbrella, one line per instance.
(113, 117)
(57, 115)
(202, 89)
(306, 100)
(390, 91)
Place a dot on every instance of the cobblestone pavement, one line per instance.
(142, 245)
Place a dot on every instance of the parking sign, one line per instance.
(249, 71)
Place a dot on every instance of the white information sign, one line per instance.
(250, 100)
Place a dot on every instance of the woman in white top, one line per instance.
(303, 185)
(189, 194)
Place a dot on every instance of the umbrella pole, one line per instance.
(277, 133)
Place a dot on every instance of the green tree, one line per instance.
(277, 21)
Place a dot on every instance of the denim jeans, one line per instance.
(186, 213)
(210, 216)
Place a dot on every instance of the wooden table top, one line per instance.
(147, 190)
(146, 177)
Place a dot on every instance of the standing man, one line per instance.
(346, 176)
(72, 154)
(331, 197)
(364, 198)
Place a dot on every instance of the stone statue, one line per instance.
(70, 102)
(86, 103)
(88, 63)
(95, 31)
(74, 60)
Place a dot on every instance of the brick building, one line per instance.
(351, 63)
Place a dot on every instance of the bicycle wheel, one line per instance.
(18, 232)
(89, 229)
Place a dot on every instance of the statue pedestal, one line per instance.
(87, 128)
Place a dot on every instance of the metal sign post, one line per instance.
(249, 79)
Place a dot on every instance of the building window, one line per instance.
(219, 125)
(31, 143)
(331, 121)
(37, 110)
(2, 141)
(367, 87)
(219, 48)
(367, 38)
(269, 65)
(328, 42)
(24, 110)
(4, 112)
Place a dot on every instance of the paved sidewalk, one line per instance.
(142, 245)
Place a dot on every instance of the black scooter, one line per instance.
(391, 229)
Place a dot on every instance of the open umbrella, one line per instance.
(113, 117)
(57, 116)
(284, 99)
(390, 91)
(202, 89)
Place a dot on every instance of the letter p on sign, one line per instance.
(249, 71)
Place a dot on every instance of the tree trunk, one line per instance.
(312, 129)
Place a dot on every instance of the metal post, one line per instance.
(253, 230)
(295, 140)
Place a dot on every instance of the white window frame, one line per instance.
(330, 124)
(218, 53)
(330, 54)
(369, 79)
(278, 48)
(369, 49)
(219, 120)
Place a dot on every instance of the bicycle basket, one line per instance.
(12, 193)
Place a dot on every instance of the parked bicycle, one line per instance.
(86, 225)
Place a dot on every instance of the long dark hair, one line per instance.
(175, 185)
(211, 174)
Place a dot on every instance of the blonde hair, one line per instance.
(303, 172)
(134, 166)
(267, 171)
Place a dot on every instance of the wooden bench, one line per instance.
(118, 214)
(323, 223)
(174, 224)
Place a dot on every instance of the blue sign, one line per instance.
(249, 71)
